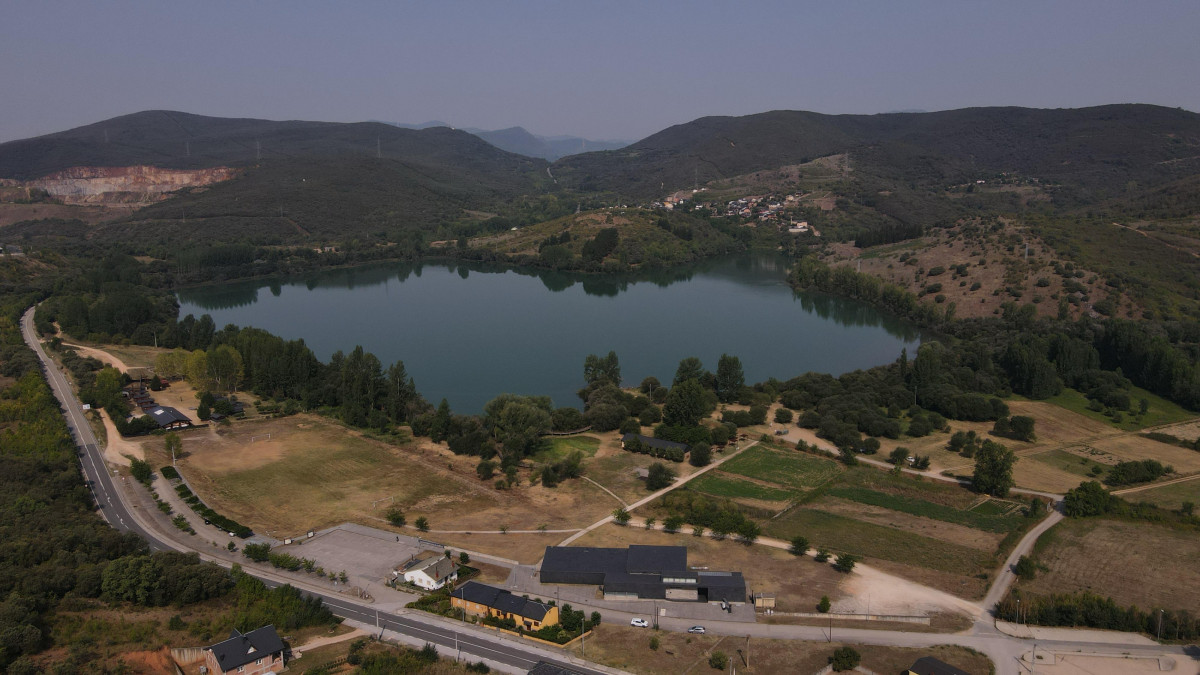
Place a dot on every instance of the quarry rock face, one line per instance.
(124, 184)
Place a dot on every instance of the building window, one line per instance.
(258, 662)
(241, 669)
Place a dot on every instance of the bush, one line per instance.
(257, 552)
(396, 517)
(844, 658)
(169, 472)
(824, 605)
(654, 643)
(659, 477)
(1025, 569)
(701, 454)
(422, 524)
(141, 470)
(783, 416)
(718, 660)
(845, 563)
(799, 546)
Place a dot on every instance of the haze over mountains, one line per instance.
(522, 142)
(300, 179)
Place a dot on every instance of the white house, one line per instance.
(432, 574)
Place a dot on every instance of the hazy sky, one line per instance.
(597, 69)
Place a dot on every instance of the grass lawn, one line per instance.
(1168, 496)
(719, 484)
(1072, 463)
(1133, 562)
(1161, 411)
(559, 448)
(795, 470)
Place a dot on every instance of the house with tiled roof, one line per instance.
(255, 653)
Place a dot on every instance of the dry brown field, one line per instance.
(1134, 563)
(629, 649)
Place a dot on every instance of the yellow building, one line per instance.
(482, 600)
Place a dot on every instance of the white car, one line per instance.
(697, 629)
(640, 623)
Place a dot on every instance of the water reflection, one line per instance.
(744, 270)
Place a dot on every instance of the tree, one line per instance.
(684, 405)
(730, 378)
(621, 516)
(824, 605)
(689, 369)
(518, 423)
(649, 384)
(1089, 499)
(172, 445)
(700, 455)
(1025, 569)
(799, 546)
(225, 368)
(396, 517)
(659, 477)
(993, 469)
(197, 370)
(783, 416)
(140, 470)
(844, 658)
(464, 558)
(845, 563)
(606, 368)
(422, 524)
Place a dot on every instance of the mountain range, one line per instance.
(522, 142)
(299, 181)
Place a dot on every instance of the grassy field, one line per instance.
(1161, 411)
(629, 649)
(1168, 496)
(840, 533)
(720, 484)
(559, 448)
(1134, 563)
(1072, 463)
(926, 509)
(794, 470)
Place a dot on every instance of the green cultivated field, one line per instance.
(794, 470)
(925, 509)
(840, 533)
(718, 484)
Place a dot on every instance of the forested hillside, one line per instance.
(1095, 150)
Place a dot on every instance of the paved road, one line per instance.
(474, 643)
(478, 643)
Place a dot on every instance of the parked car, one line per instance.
(696, 629)
(640, 623)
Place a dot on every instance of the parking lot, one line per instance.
(363, 552)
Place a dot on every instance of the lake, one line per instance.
(467, 332)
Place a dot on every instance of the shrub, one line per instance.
(140, 470)
(783, 416)
(799, 546)
(654, 643)
(422, 524)
(1025, 569)
(396, 517)
(844, 658)
(718, 660)
(824, 605)
(845, 563)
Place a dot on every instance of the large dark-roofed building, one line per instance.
(658, 572)
(169, 418)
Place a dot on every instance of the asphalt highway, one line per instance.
(472, 643)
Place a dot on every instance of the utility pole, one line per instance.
(1160, 616)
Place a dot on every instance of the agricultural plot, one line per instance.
(787, 469)
(1134, 563)
(1072, 462)
(720, 484)
(1132, 447)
